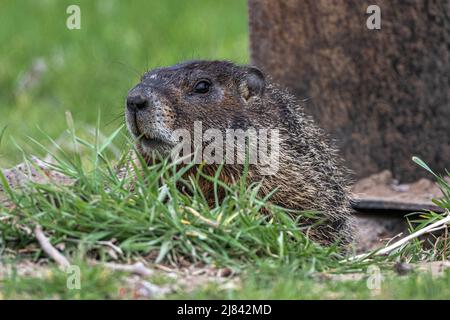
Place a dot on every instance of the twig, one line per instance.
(211, 223)
(47, 247)
(444, 251)
(137, 268)
(390, 240)
(430, 228)
(437, 229)
(111, 245)
(166, 269)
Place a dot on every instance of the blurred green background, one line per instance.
(46, 69)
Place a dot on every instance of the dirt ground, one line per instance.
(383, 187)
(382, 203)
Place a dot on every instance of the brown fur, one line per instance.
(310, 176)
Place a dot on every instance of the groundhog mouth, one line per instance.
(148, 140)
(153, 141)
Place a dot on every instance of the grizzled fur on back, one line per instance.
(223, 95)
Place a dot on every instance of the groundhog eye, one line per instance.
(202, 86)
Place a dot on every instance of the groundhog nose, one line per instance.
(137, 102)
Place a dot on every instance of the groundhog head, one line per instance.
(215, 93)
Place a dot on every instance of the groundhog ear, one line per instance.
(253, 83)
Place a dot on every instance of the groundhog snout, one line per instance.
(137, 102)
(149, 117)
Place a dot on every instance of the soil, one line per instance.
(381, 191)
(381, 204)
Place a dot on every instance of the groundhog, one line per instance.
(224, 96)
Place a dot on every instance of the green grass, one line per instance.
(147, 216)
(96, 283)
(93, 68)
(155, 218)
(280, 284)
(88, 72)
(266, 283)
(435, 246)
